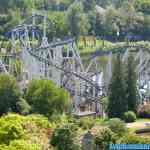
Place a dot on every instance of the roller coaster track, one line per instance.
(119, 49)
(62, 69)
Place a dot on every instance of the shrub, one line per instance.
(23, 145)
(144, 111)
(20, 145)
(117, 126)
(11, 129)
(104, 138)
(134, 139)
(64, 138)
(86, 122)
(23, 107)
(129, 116)
(39, 120)
(16, 129)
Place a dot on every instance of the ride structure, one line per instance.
(59, 61)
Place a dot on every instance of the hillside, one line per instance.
(106, 19)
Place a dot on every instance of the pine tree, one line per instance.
(117, 91)
(131, 81)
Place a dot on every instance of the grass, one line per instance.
(143, 120)
(92, 44)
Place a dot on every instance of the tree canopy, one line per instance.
(46, 98)
(9, 94)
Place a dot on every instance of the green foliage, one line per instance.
(143, 6)
(134, 139)
(144, 111)
(46, 98)
(89, 5)
(117, 91)
(23, 107)
(86, 122)
(105, 103)
(104, 138)
(59, 28)
(131, 84)
(117, 126)
(11, 129)
(9, 94)
(104, 22)
(18, 131)
(77, 20)
(129, 116)
(39, 120)
(20, 145)
(64, 139)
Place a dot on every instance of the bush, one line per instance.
(144, 111)
(16, 129)
(64, 138)
(86, 122)
(23, 107)
(117, 126)
(129, 116)
(104, 138)
(23, 145)
(134, 139)
(11, 129)
(20, 145)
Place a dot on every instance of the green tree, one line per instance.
(9, 94)
(117, 91)
(59, 29)
(131, 84)
(46, 98)
(89, 5)
(143, 6)
(77, 20)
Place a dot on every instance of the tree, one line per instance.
(143, 6)
(131, 84)
(77, 20)
(46, 98)
(89, 5)
(59, 27)
(117, 91)
(9, 94)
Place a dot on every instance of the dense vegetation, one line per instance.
(123, 92)
(113, 20)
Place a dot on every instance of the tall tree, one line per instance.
(77, 20)
(131, 84)
(9, 94)
(89, 5)
(117, 91)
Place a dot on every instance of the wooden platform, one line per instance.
(84, 114)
